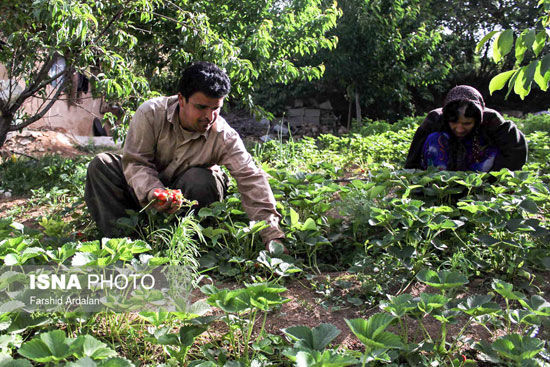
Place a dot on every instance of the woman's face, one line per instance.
(462, 126)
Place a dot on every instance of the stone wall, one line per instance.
(311, 119)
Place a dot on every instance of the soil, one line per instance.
(37, 143)
(306, 306)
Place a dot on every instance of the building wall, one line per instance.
(75, 117)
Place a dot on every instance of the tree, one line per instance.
(90, 37)
(465, 21)
(530, 63)
(385, 54)
(134, 49)
(257, 41)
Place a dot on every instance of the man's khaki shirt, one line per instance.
(158, 149)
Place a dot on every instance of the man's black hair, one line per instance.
(204, 77)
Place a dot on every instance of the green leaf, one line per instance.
(530, 206)
(478, 305)
(398, 306)
(202, 364)
(506, 290)
(487, 352)
(309, 225)
(209, 289)
(430, 302)
(88, 346)
(518, 347)
(540, 41)
(11, 306)
(188, 333)
(526, 75)
(484, 40)
(371, 332)
(503, 44)
(537, 305)
(317, 338)
(498, 81)
(376, 191)
(327, 358)
(115, 362)
(511, 83)
(191, 311)
(442, 280)
(523, 43)
(83, 362)
(10, 362)
(542, 75)
(155, 318)
(11, 259)
(294, 218)
(230, 301)
(263, 296)
(46, 347)
(205, 212)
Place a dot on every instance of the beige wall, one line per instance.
(76, 118)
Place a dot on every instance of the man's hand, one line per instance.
(167, 200)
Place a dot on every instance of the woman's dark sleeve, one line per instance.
(511, 144)
(430, 125)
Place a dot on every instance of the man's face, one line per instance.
(199, 112)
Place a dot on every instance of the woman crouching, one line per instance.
(464, 135)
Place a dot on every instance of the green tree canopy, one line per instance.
(134, 49)
(385, 54)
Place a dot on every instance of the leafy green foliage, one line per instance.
(52, 174)
(517, 348)
(346, 205)
(256, 42)
(55, 347)
(385, 50)
(530, 64)
(371, 332)
(317, 338)
(442, 280)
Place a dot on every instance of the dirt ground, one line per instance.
(35, 143)
(305, 306)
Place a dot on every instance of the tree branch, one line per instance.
(41, 114)
(43, 71)
(115, 17)
(47, 99)
(30, 92)
(38, 83)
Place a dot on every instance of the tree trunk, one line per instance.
(348, 123)
(357, 108)
(5, 123)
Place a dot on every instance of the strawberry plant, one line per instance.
(53, 348)
(347, 207)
